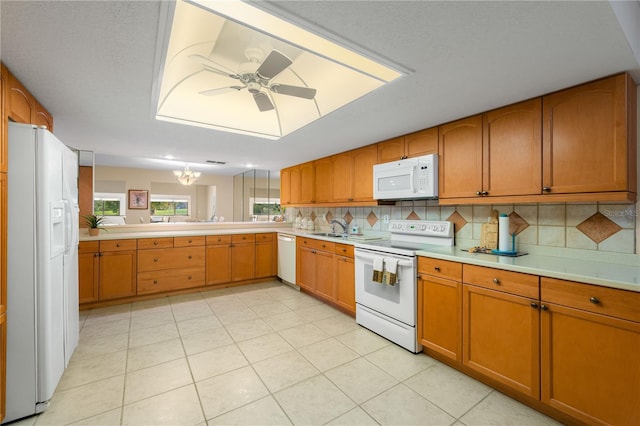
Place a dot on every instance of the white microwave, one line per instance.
(406, 179)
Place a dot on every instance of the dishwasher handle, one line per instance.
(286, 238)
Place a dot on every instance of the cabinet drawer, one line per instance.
(188, 241)
(603, 300)
(344, 249)
(440, 268)
(218, 239)
(243, 238)
(89, 247)
(117, 245)
(176, 279)
(183, 257)
(264, 237)
(153, 243)
(496, 279)
(316, 244)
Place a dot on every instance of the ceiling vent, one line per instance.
(216, 162)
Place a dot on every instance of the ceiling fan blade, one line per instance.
(297, 91)
(263, 102)
(275, 63)
(209, 65)
(221, 90)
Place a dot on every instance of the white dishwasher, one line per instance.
(287, 258)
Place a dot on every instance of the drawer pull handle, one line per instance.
(437, 268)
(543, 307)
(534, 305)
(117, 244)
(478, 193)
(155, 281)
(594, 300)
(219, 239)
(546, 189)
(155, 243)
(496, 281)
(189, 277)
(155, 259)
(189, 241)
(484, 193)
(190, 256)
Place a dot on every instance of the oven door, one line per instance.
(396, 301)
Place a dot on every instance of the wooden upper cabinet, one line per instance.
(20, 104)
(294, 179)
(42, 117)
(285, 187)
(363, 160)
(323, 180)
(460, 165)
(423, 142)
(589, 137)
(512, 150)
(341, 177)
(307, 183)
(412, 145)
(391, 150)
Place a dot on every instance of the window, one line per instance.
(108, 204)
(264, 208)
(170, 205)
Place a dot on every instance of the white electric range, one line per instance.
(390, 310)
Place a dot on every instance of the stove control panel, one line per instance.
(442, 229)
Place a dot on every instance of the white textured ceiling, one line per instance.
(90, 63)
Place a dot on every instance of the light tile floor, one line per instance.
(258, 355)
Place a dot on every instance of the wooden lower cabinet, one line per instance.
(117, 274)
(266, 262)
(345, 281)
(315, 267)
(243, 257)
(325, 280)
(88, 270)
(218, 259)
(172, 279)
(305, 267)
(590, 361)
(501, 338)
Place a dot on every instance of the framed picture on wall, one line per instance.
(138, 199)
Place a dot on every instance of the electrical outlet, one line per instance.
(385, 218)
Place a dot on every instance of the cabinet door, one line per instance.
(323, 180)
(294, 173)
(501, 338)
(325, 279)
(264, 259)
(42, 117)
(307, 183)
(421, 143)
(345, 283)
(305, 268)
(391, 150)
(19, 103)
(285, 187)
(117, 274)
(362, 161)
(243, 259)
(88, 277)
(585, 137)
(3, 242)
(590, 366)
(440, 316)
(460, 165)
(3, 123)
(341, 179)
(218, 264)
(512, 155)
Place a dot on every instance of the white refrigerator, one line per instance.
(42, 267)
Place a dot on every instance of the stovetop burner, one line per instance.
(409, 236)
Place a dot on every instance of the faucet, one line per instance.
(342, 223)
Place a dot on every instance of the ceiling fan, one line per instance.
(255, 80)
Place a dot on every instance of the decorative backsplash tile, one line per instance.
(584, 226)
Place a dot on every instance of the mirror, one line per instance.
(256, 196)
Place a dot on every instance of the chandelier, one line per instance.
(186, 176)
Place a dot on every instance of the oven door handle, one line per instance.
(369, 258)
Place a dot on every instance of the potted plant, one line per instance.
(93, 222)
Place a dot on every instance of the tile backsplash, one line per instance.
(584, 226)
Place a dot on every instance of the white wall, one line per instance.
(141, 179)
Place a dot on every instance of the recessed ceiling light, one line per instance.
(169, 157)
(230, 66)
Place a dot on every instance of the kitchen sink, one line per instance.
(329, 234)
